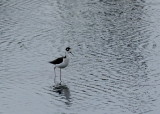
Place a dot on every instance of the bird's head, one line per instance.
(68, 49)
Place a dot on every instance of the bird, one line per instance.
(61, 62)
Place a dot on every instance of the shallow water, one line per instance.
(115, 67)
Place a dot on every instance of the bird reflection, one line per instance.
(64, 91)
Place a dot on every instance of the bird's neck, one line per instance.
(66, 54)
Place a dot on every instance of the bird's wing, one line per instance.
(57, 61)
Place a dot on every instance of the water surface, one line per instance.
(115, 67)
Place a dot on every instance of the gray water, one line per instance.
(115, 67)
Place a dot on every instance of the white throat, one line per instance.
(67, 54)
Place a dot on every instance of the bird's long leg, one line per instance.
(55, 74)
(60, 75)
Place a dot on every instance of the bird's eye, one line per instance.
(67, 49)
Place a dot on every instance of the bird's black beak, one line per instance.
(71, 53)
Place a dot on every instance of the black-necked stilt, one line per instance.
(61, 62)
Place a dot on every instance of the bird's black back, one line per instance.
(57, 61)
